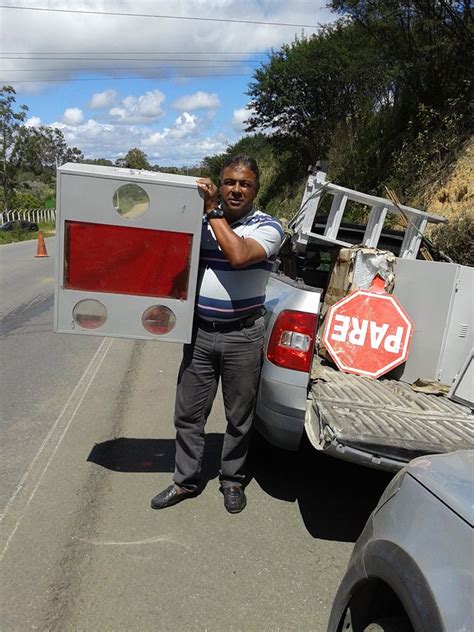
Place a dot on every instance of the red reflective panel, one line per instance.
(122, 260)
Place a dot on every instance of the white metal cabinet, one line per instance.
(128, 252)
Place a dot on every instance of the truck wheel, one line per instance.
(390, 624)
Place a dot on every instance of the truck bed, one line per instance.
(382, 423)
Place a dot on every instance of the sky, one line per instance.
(171, 81)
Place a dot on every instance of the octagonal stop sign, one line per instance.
(367, 333)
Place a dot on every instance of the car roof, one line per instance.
(450, 478)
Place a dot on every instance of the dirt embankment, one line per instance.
(456, 195)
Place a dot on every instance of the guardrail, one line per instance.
(31, 215)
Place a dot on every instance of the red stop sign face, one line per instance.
(368, 333)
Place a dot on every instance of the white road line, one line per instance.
(63, 423)
(154, 540)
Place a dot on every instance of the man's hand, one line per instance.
(211, 193)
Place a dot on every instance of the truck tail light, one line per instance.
(291, 342)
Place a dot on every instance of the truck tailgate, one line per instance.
(382, 423)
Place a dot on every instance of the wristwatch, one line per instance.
(215, 213)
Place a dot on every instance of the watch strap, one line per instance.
(215, 213)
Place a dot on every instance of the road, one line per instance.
(37, 367)
(87, 440)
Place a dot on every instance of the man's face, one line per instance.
(238, 190)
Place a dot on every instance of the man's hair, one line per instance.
(244, 161)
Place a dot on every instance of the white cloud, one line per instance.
(112, 124)
(143, 109)
(197, 101)
(33, 121)
(189, 151)
(100, 140)
(183, 142)
(185, 125)
(33, 33)
(240, 118)
(73, 116)
(102, 100)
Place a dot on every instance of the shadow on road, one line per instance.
(152, 455)
(335, 498)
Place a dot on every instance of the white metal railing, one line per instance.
(302, 224)
(32, 215)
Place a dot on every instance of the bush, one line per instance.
(25, 200)
(455, 240)
(11, 236)
(42, 192)
(50, 202)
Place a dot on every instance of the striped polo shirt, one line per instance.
(226, 293)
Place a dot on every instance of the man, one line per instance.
(238, 245)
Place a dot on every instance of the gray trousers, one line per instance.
(236, 358)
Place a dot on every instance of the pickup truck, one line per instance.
(381, 423)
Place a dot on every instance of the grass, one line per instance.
(9, 237)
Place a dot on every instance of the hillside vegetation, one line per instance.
(382, 97)
(452, 196)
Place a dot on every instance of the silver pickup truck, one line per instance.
(381, 423)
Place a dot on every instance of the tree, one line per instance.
(309, 87)
(10, 124)
(384, 93)
(104, 162)
(136, 159)
(425, 46)
(41, 150)
(73, 154)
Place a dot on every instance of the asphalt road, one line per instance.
(38, 369)
(87, 440)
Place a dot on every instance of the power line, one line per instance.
(111, 52)
(150, 15)
(91, 69)
(224, 61)
(242, 74)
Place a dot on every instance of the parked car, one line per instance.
(412, 567)
(17, 224)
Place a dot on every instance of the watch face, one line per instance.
(217, 212)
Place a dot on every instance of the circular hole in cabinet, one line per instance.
(159, 320)
(89, 314)
(131, 201)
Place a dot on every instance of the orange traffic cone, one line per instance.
(41, 250)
